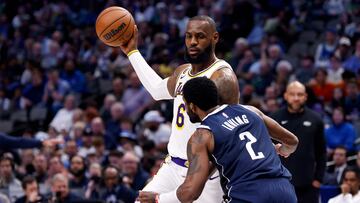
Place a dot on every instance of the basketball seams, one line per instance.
(112, 23)
(120, 35)
(107, 11)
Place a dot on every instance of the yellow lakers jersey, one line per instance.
(182, 128)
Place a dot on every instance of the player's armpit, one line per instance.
(198, 172)
(227, 84)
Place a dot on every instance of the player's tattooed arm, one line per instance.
(198, 172)
(227, 84)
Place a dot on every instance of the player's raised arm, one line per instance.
(158, 88)
(288, 140)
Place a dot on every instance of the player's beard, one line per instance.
(202, 57)
(193, 117)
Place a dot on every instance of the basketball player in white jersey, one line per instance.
(200, 39)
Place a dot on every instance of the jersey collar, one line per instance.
(215, 111)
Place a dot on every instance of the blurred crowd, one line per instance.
(58, 79)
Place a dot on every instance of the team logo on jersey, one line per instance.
(284, 122)
(179, 89)
(307, 123)
(225, 115)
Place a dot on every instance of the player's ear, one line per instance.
(216, 37)
(191, 106)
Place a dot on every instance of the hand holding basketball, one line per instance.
(132, 43)
(115, 26)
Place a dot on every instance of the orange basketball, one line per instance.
(114, 26)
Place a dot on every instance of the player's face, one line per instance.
(200, 42)
(296, 97)
(194, 118)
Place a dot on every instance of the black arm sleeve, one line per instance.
(320, 152)
(9, 142)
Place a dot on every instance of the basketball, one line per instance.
(114, 26)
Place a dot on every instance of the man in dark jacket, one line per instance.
(307, 163)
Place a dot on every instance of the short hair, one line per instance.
(59, 177)
(352, 169)
(202, 92)
(27, 180)
(207, 19)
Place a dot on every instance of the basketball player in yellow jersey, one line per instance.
(200, 40)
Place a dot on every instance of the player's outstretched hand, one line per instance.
(148, 197)
(52, 142)
(280, 149)
(132, 43)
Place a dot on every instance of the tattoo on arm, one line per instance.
(193, 156)
(227, 85)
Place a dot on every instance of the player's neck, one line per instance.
(203, 114)
(202, 66)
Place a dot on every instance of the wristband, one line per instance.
(131, 52)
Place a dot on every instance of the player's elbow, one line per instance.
(294, 141)
(188, 194)
(189, 197)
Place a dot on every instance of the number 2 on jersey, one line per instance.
(252, 140)
(180, 119)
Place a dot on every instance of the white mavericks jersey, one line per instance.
(181, 127)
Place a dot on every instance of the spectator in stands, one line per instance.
(94, 185)
(353, 63)
(8, 182)
(31, 190)
(349, 188)
(243, 67)
(5, 104)
(78, 172)
(55, 90)
(56, 167)
(60, 191)
(352, 101)
(335, 71)
(118, 88)
(113, 124)
(41, 166)
(326, 49)
(105, 111)
(340, 133)
(26, 167)
(322, 89)
(156, 130)
(64, 117)
(283, 71)
(135, 99)
(238, 53)
(114, 189)
(98, 130)
(338, 99)
(309, 128)
(334, 173)
(264, 78)
(134, 174)
(343, 50)
(87, 140)
(358, 160)
(306, 70)
(34, 91)
(74, 77)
